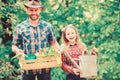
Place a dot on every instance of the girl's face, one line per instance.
(70, 35)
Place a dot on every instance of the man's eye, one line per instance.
(31, 10)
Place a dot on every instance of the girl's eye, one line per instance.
(72, 32)
(67, 34)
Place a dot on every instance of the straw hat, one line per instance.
(33, 4)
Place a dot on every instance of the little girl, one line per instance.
(75, 47)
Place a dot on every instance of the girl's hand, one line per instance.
(94, 51)
(76, 71)
(84, 51)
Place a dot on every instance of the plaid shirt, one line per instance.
(74, 52)
(31, 38)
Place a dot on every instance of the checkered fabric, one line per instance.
(31, 38)
(74, 52)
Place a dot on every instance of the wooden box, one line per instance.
(88, 66)
(41, 62)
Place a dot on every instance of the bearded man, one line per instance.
(31, 35)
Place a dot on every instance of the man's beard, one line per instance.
(34, 17)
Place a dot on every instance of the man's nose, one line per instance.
(33, 12)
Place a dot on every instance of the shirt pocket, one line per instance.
(26, 36)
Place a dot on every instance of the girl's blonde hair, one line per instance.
(79, 42)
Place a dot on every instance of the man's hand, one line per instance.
(19, 52)
(16, 50)
(59, 52)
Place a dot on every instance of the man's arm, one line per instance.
(55, 44)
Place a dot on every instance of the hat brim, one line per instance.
(31, 6)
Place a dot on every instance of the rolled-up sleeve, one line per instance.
(51, 35)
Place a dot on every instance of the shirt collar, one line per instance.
(71, 44)
(30, 24)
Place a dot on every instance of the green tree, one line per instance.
(96, 20)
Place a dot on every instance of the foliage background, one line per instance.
(96, 20)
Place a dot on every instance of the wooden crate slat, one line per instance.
(45, 62)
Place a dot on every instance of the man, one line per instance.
(31, 35)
